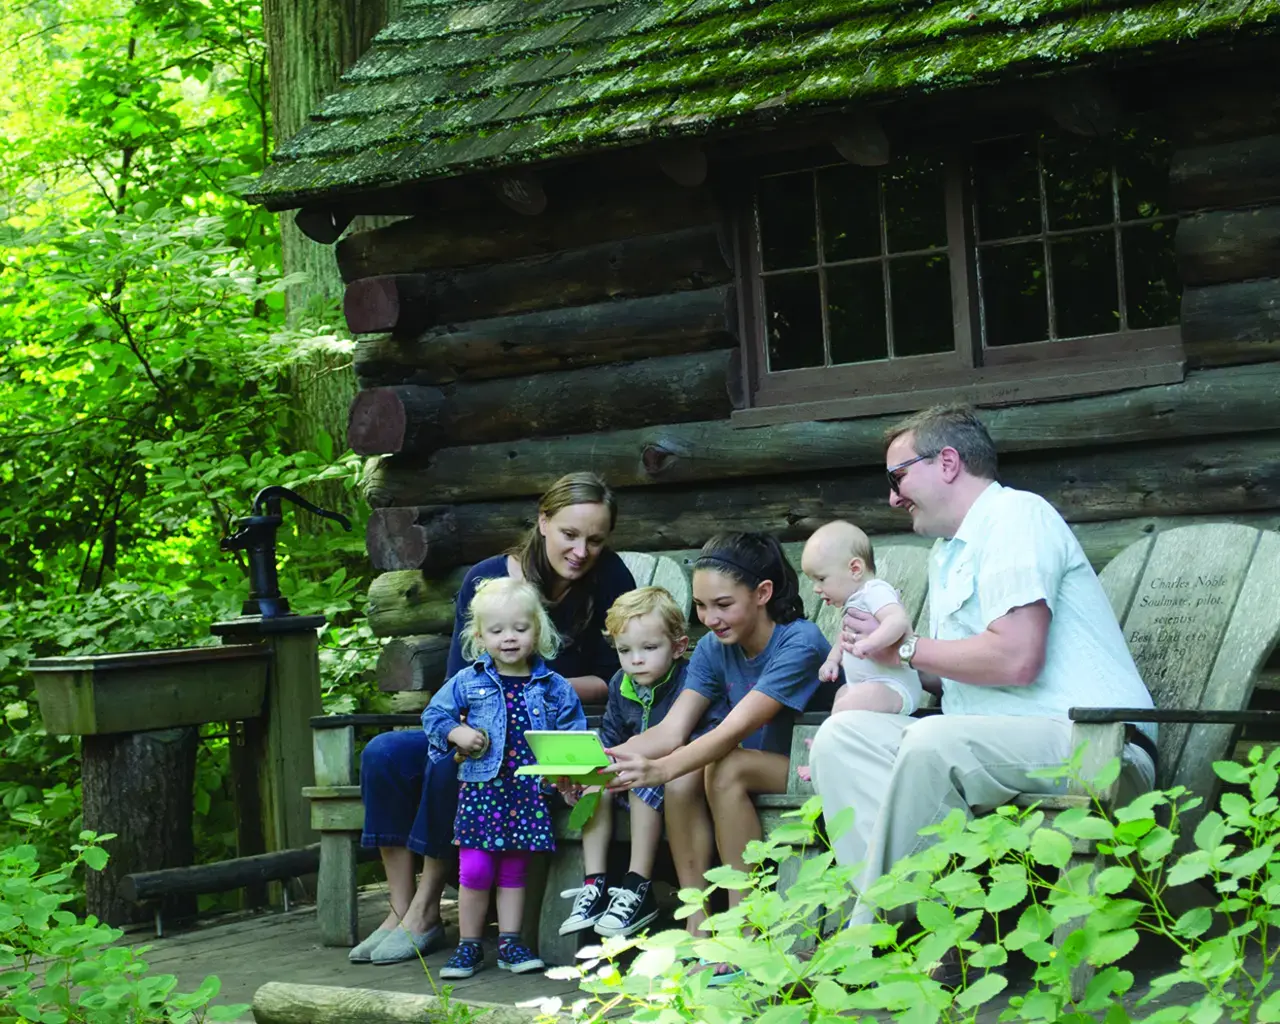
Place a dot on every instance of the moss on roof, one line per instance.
(460, 85)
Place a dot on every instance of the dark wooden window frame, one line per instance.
(971, 372)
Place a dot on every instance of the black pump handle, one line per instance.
(267, 502)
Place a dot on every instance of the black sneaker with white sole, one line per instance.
(631, 906)
(589, 905)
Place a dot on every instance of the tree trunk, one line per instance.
(1229, 245)
(1220, 476)
(413, 663)
(416, 420)
(309, 44)
(693, 453)
(140, 786)
(558, 339)
(401, 603)
(1227, 174)
(1232, 323)
(280, 1003)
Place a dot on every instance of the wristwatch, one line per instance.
(907, 650)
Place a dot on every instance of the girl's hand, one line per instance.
(829, 672)
(634, 770)
(468, 740)
(570, 790)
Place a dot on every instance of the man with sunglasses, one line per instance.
(1019, 631)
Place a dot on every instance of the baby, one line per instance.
(839, 561)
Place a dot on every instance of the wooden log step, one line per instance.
(237, 873)
(279, 1002)
(1232, 323)
(1229, 245)
(562, 339)
(413, 663)
(1216, 477)
(402, 603)
(410, 419)
(685, 453)
(1236, 173)
(453, 238)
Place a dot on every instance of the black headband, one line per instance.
(749, 573)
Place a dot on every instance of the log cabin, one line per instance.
(711, 248)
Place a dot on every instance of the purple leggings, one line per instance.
(477, 869)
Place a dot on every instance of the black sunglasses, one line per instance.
(896, 473)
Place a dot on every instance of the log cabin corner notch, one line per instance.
(1100, 238)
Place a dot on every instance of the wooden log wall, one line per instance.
(500, 350)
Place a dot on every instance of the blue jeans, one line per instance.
(408, 801)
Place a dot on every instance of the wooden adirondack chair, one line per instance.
(1200, 610)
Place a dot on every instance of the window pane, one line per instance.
(1142, 166)
(1151, 285)
(788, 228)
(850, 212)
(914, 206)
(1077, 183)
(1014, 309)
(1084, 285)
(1007, 188)
(855, 313)
(921, 289)
(793, 321)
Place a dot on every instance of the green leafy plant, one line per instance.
(994, 888)
(58, 969)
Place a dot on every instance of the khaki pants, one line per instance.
(902, 774)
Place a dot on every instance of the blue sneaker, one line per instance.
(466, 960)
(518, 959)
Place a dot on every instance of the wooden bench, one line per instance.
(1200, 655)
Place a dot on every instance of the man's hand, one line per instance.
(468, 740)
(858, 625)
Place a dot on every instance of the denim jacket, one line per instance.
(477, 690)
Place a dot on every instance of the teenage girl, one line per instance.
(502, 818)
(760, 663)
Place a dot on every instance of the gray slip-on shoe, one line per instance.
(402, 945)
(363, 953)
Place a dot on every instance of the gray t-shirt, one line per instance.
(786, 670)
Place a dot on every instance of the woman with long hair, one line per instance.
(410, 804)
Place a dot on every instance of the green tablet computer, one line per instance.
(577, 754)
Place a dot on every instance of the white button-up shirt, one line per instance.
(1014, 549)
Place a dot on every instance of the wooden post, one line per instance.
(279, 742)
(139, 786)
(337, 911)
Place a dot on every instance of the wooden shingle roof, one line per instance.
(455, 86)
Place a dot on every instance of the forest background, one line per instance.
(151, 382)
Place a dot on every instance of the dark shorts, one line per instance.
(408, 801)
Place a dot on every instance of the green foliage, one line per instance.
(994, 889)
(57, 969)
(144, 392)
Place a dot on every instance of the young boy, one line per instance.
(839, 560)
(649, 632)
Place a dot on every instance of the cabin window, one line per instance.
(1017, 268)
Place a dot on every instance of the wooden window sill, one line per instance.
(1005, 384)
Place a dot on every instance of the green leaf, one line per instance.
(984, 989)
(1194, 922)
(1232, 773)
(1211, 831)
(1268, 1011)
(1189, 867)
(95, 857)
(1113, 880)
(1051, 848)
(1111, 946)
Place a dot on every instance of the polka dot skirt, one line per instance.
(508, 812)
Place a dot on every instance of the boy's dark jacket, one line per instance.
(626, 715)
